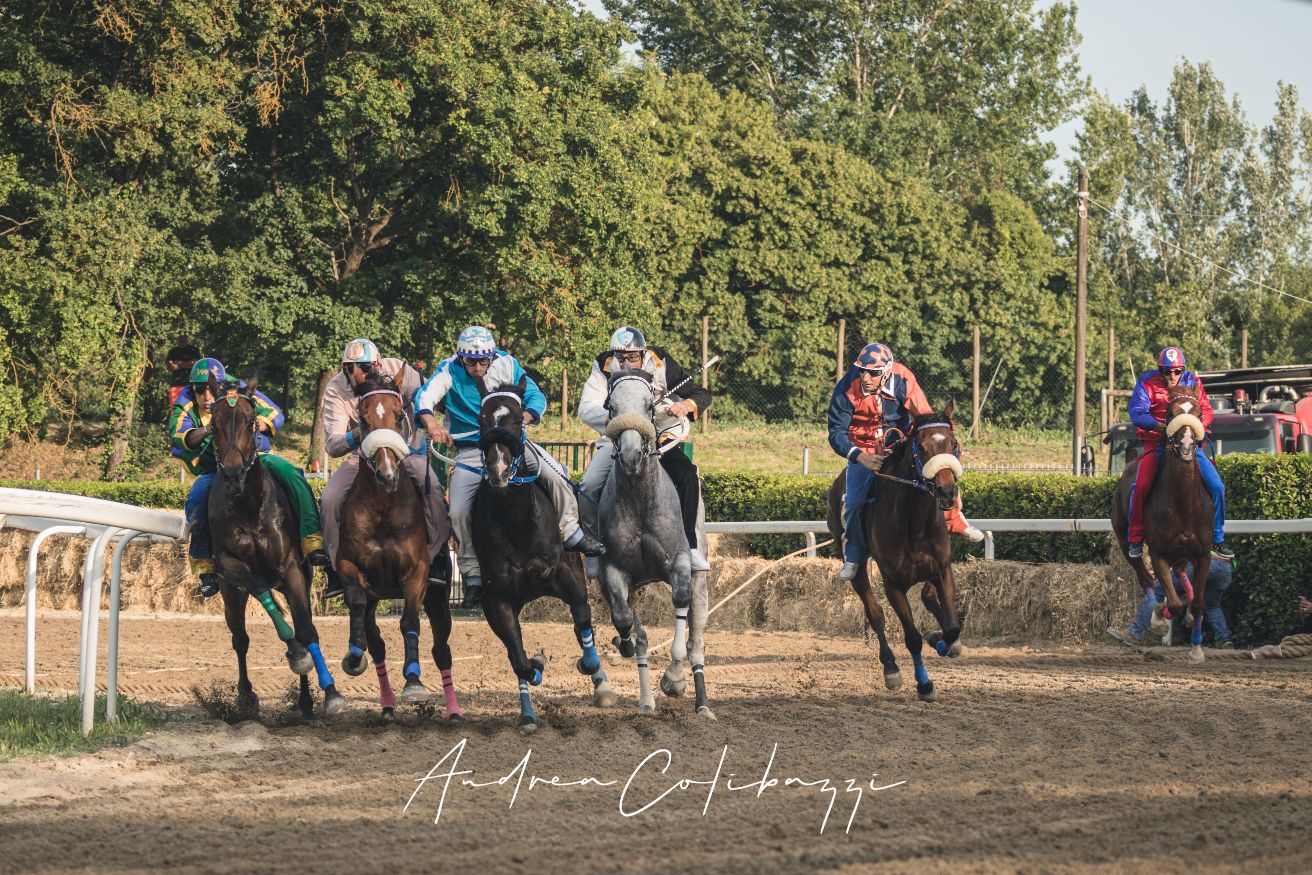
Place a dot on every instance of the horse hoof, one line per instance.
(705, 711)
(955, 650)
(926, 692)
(587, 668)
(355, 669)
(389, 714)
(455, 717)
(673, 686)
(414, 692)
(605, 698)
(1195, 654)
(527, 726)
(893, 680)
(644, 708)
(300, 660)
(333, 702)
(626, 648)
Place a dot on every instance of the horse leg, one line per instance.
(1197, 606)
(697, 643)
(357, 602)
(378, 652)
(939, 599)
(673, 682)
(646, 701)
(875, 617)
(615, 587)
(297, 591)
(897, 597)
(437, 604)
(1173, 603)
(234, 612)
(413, 586)
(573, 590)
(504, 620)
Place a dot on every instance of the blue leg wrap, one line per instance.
(525, 703)
(1196, 638)
(321, 667)
(941, 647)
(411, 668)
(922, 676)
(591, 658)
(537, 677)
(356, 652)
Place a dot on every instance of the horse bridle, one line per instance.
(499, 435)
(407, 431)
(231, 395)
(916, 457)
(650, 447)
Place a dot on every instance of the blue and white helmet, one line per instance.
(476, 342)
(627, 339)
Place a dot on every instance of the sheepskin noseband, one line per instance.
(1185, 419)
(938, 463)
(381, 438)
(625, 421)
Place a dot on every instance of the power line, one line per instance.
(1239, 276)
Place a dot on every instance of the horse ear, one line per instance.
(482, 386)
(251, 385)
(214, 386)
(947, 411)
(523, 383)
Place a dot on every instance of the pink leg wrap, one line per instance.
(449, 691)
(386, 697)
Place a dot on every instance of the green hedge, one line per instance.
(1270, 570)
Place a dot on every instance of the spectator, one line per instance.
(1292, 646)
(1148, 614)
(179, 360)
(1218, 581)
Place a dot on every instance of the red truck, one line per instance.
(1258, 410)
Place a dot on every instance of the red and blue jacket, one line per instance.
(858, 420)
(1148, 403)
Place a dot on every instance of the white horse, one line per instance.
(642, 528)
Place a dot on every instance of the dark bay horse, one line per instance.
(1177, 515)
(383, 550)
(517, 541)
(908, 540)
(256, 549)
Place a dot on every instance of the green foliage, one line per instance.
(42, 726)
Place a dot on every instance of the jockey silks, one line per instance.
(858, 420)
(452, 386)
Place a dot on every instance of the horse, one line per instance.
(1177, 516)
(383, 551)
(519, 550)
(908, 540)
(256, 549)
(642, 527)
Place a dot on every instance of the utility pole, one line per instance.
(1243, 348)
(706, 372)
(1081, 309)
(564, 399)
(842, 346)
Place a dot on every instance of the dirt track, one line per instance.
(1035, 761)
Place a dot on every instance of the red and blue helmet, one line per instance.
(1171, 357)
(875, 358)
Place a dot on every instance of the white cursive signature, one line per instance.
(447, 769)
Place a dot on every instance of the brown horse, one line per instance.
(256, 548)
(383, 550)
(1177, 515)
(908, 540)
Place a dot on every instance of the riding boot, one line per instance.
(439, 570)
(209, 583)
(473, 593)
(335, 586)
(579, 542)
(1136, 550)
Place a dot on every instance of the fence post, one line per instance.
(1243, 348)
(974, 384)
(1081, 310)
(841, 349)
(564, 400)
(806, 460)
(706, 372)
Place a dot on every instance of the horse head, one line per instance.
(632, 407)
(233, 420)
(501, 431)
(380, 410)
(1184, 430)
(937, 454)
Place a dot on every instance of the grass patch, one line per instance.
(42, 726)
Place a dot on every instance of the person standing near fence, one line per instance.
(875, 395)
(342, 438)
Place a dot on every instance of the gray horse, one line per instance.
(642, 529)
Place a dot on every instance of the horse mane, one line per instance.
(374, 381)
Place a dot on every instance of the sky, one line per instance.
(1251, 44)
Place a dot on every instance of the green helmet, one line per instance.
(206, 368)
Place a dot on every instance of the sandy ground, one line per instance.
(1031, 760)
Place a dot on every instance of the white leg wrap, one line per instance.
(679, 649)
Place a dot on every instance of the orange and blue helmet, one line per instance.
(1171, 357)
(875, 358)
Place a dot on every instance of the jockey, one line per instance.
(1148, 404)
(189, 424)
(876, 394)
(629, 349)
(455, 386)
(342, 436)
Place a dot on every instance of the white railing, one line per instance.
(53, 513)
(810, 528)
